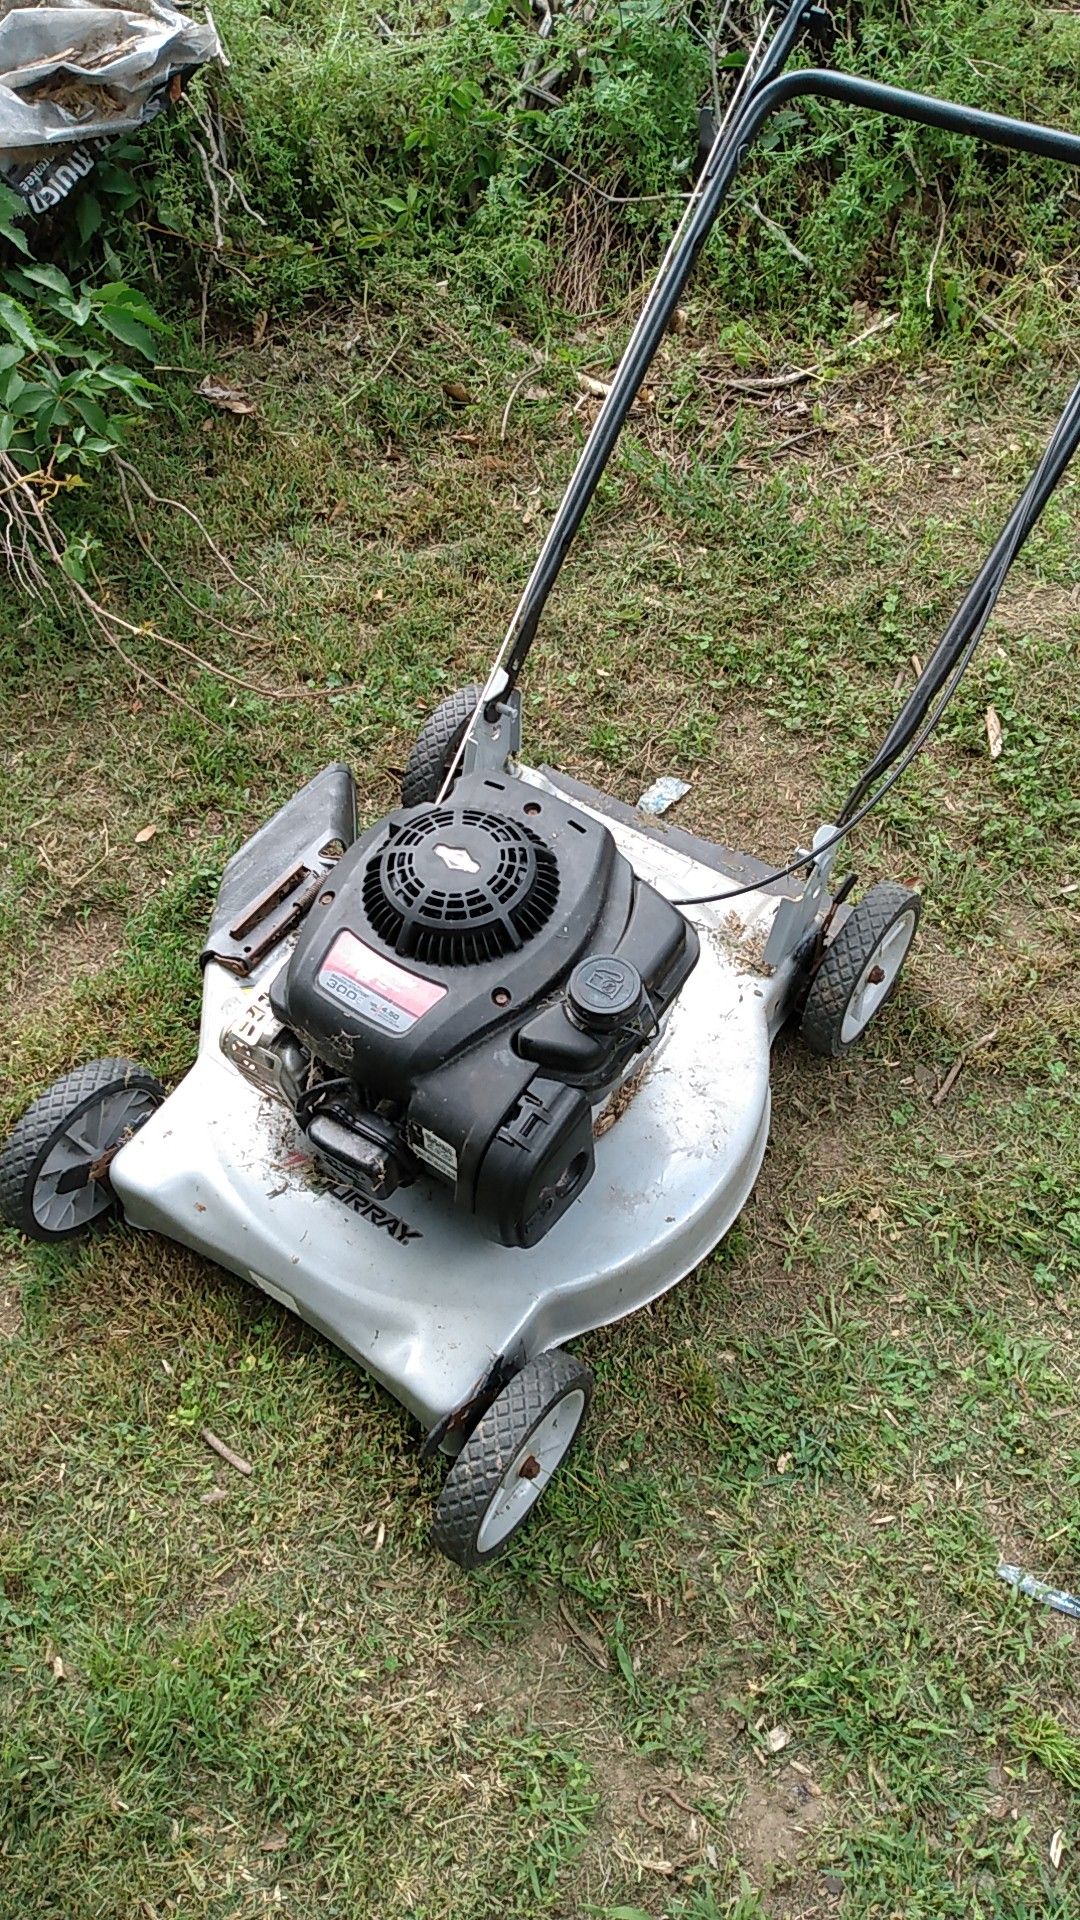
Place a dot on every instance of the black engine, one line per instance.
(472, 981)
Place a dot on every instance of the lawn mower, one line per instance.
(494, 1071)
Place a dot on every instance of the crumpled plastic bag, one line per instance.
(663, 794)
(75, 74)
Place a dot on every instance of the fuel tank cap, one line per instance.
(604, 992)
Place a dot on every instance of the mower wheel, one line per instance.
(436, 744)
(54, 1170)
(510, 1456)
(860, 969)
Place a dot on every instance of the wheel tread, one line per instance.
(434, 744)
(475, 1475)
(836, 978)
(49, 1113)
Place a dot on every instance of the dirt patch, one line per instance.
(70, 948)
(647, 1828)
(774, 1824)
(10, 1312)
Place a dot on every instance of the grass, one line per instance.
(227, 1697)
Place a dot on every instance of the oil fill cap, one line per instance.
(604, 992)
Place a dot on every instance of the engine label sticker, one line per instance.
(374, 987)
(438, 1153)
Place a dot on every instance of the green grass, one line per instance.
(229, 1698)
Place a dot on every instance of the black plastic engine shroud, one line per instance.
(432, 974)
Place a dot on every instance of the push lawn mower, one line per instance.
(495, 1070)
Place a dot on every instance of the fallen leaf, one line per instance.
(993, 732)
(144, 834)
(456, 390)
(777, 1739)
(213, 1496)
(1057, 1848)
(275, 1841)
(591, 1642)
(229, 399)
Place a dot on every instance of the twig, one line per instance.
(769, 383)
(27, 509)
(230, 1458)
(778, 233)
(714, 74)
(204, 246)
(658, 1826)
(235, 633)
(221, 162)
(592, 1644)
(179, 506)
(538, 363)
(667, 1793)
(953, 1074)
(937, 249)
(215, 203)
(613, 199)
(995, 326)
(96, 624)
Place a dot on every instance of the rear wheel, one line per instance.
(509, 1458)
(54, 1170)
(860, 969)
(436, 744)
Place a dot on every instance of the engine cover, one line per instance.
(474, 979)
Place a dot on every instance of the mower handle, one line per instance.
(765, 96)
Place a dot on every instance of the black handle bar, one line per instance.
(764, 97)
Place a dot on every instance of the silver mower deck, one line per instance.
(410, 1289)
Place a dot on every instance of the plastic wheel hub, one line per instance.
(509, 1458)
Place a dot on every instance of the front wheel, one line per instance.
(435, 745)
(509, 1458)
(860, 969)
(54, 1170)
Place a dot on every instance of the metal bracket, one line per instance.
(251, 1044)
(491, 744)
(794, 920)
